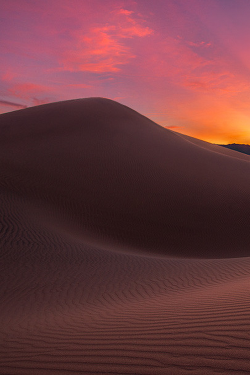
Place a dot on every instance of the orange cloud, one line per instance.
(173, 127)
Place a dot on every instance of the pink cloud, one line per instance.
(125, 11)
(99, 51)
(222, 82)
(104, 49)
(34, 94)
(199, 44)
(8, 75)
(173, 59)
(24, 90)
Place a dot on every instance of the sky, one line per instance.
(184, 64)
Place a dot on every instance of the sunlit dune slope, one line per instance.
(113, 177)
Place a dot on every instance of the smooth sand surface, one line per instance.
(125, 247)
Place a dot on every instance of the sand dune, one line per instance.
(124, 246)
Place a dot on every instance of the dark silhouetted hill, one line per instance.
(245, 149)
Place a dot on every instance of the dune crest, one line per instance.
(116, 177)
(124, 246)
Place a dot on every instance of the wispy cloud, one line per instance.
(12, 104)
(223, 82)
(176, 60)
(173, 127)
(25, 90)
(32, 93)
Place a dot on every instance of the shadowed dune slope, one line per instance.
(114, 177)
(102, 215)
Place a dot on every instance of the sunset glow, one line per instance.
(184, 64)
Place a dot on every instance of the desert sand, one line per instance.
(125, 247)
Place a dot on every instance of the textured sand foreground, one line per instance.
(125, 247)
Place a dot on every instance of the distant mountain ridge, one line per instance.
(245, 149)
